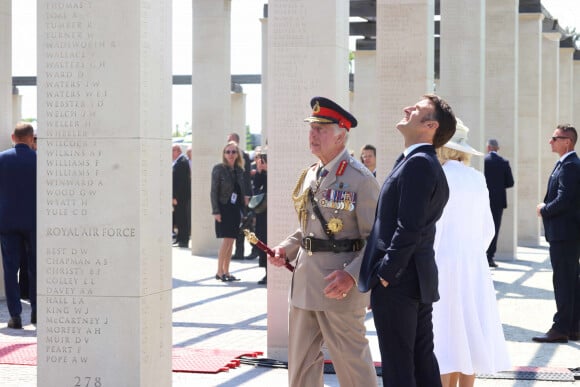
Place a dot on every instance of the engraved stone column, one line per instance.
(16, 107)
(365, 105)
(566, 82)
(527, 176)
(104, 181)
(405, 63)
(550, 103)
(211, 85)
(5, 89)
(501, 104)
(307, 56)
(264, 76)
(238, 103)
(6, 126)
(462, 64)
(576, 118)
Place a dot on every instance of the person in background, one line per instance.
(228, 197)
(368, 156)
(260, 184)
(498, 177)
(18, 220)
(240, 239)
(335, 199)
(189, 156)
(399, 262)
(23, 272)
(467, 330)
(560, 213)
(181, 197)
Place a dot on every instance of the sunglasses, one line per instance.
(230, 152)
(554, 138)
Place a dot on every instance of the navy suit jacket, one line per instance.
(561, 215)
(18, 189)
(400, 245)
(498, 176)
(181, 180)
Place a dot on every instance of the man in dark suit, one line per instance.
(498, 176)
(18, 220)
(181, 196)
(399, 263)
(560, 212)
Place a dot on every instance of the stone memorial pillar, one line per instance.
(576, 64)
(566, 83)
(104, 193)
(530, 131)
(238, 125)
(550, 103)
(365, 103)
(16, 107)
(264, 77)
(501, 104)
(307, 56)
(6, 126)
(405, 69)
(211, 117)
(462, 66)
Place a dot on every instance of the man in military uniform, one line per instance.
(335, 200)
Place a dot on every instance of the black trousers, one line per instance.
(182, 220)
(497, 214)
(405, 332)
(564, 257)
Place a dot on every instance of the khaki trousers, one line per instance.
(343, 333)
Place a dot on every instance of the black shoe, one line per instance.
(251, 256)
(237, 257)
(183, 245)
(263, 281)
(15, 322)
(231, 278)
(33, 317)
(491, 262)
(218, 277)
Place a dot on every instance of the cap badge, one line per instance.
(316, 107)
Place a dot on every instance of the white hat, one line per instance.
(459, 140)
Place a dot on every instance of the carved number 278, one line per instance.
(86, 381)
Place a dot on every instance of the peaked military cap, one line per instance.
(326, 111)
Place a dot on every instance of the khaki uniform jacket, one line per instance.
(308, 281)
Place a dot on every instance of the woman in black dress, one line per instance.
(228, 198)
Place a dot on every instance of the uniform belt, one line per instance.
(336, 246)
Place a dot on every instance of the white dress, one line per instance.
(468, 334)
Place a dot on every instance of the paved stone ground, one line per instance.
(211, 314)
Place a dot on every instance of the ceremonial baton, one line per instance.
(253, 239)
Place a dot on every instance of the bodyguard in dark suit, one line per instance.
(560, 212)
(181, 196)
(18, 219)
(498, 176)
(399, 263)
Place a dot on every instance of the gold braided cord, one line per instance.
(300, 199)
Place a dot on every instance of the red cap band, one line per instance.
(326, 112)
